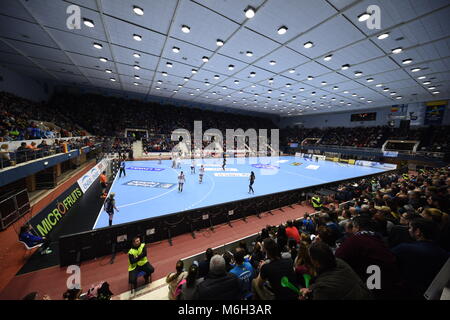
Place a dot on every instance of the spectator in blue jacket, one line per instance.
(32, 240)
(244, 271)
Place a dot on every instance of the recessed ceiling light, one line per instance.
(363, 17)
(302, 89)
(194, 71)
(138, 11)
(399, 97)
(112, 79)
(358, 73)
(345, 67)
(310, 78)
(354, 95)
(220, 42)
(137, 67)
(108, 71)
(292, 71)
(383, 36)
(250, 12)
(393, 93)
(288, 85)
(269, 91)
(197, 89)
(136, 55)
(362, 98)
(88, 23)
(159, 82)
(421, 77)
(342, 101)
(407, 61)
(230, 67)
(431, 88)
(169, 65)
(249, 53)
(323, 83)
(216, 77)
(135, 83)
(164, 74)
(205, 59)
(308, 45)
(370, 80)
(427, 82)
(313, 93)
(103, 59)
(397, 50)
(335, 88)
(137, 77)
(252, 74)
(176, 49)
(346, 91)
(224, 88)
(328, 57)
(379, 85)
(282, 30)
(185, 29)
(253, 86)
(97, 45)
(349, 104)
(236, 81)
(386, 89)
(369, 101)
(272, 63)
(191, 94)
(435, 92)
(137, 37)
(271, 80)
(294, 97)
(415, 70)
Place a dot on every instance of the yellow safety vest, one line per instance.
(316, 202)
(405, 176)
(136, 253)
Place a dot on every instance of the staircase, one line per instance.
(137, 149)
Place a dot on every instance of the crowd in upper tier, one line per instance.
(68, 115)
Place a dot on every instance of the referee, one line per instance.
(122, 169)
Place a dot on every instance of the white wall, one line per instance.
(342, 119)
(23, 86)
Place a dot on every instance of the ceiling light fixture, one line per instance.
(250, 12)
(136, 55)
(138, 11)
(370, 80)
(415, 70)
(230, 67)
(358, 73)
(205, 59)
(407, 61)
(310, 78)
(249, 53)
(272, 63)
(219, 42)
(383, 36)
(137, 37)
(88, 23)
(397, 50)
(252, 74)
(108, 71)
(164, 74)
(103, 59)
(308, 45)
(282, 30)
(328, 57)
(97, 45)
(185, 29)
(169, 65)
(194, 71)
(216, 77)
(137, 67)
(345, 67)
(363, 17)
(176, 49)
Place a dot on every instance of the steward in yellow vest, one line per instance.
(316, 202)
(138, 262)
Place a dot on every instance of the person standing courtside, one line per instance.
(110, 205)
(252, 181)
(104, 184)
(122, 169)
(202, 172)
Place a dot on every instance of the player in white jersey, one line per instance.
(181, 180)
(193, 166)
(202, 172)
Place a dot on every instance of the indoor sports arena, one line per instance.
(244, 151)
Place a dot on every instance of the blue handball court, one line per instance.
(150, 188)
